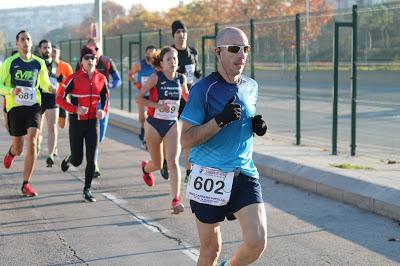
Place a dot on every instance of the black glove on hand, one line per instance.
(231, 112)
(197, 73)
(60, 78)
(259, 125)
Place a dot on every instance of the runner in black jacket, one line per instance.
(188, 65)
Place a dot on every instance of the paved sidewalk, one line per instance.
(59, 228)
(311, 168)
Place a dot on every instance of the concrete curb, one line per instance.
(371, 197)
(365, 195)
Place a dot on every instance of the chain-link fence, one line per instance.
(273, 64)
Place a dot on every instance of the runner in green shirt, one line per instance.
(21, 75)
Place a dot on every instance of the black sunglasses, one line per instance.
(89, 56)
(236, 48)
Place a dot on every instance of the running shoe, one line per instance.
(164, 170)
(8, 159)
(50, 161)
(97, 172)
(177, 206)
(147, 177)
(65, 164)
(28, 191)
(87, 195)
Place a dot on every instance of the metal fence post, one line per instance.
(298, 79)
(70, 51)
(203, 55)
(353, 26)
(104, 45)
(121, 48)
(139, 43)
(252, 74)
(130, 85)
(354, 84)
(159, 38)
(121, 59)
(215, 43)
(335, 89)
(140, 47)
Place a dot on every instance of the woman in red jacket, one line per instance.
(86, 88)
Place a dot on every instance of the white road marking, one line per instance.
(192, 253)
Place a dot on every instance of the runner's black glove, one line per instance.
(197, 73)
(259, 125)
(60, 78)
(231, 112)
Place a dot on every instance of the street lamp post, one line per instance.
(99, 21)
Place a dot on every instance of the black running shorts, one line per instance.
(23, 117)
(48, 101)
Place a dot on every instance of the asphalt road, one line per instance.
(131, 224)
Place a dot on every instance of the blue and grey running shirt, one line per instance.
(232, 147)
(145, 72)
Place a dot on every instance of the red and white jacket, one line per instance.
(84, 92)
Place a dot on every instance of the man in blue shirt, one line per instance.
(218, 125)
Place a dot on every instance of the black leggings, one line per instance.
(79, 131)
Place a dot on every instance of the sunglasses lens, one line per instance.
(87, 57)
(234, 49)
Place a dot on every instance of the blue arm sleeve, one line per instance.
(116, 79)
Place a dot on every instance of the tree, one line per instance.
(378, 24)
(204, 13)
(112, 11)
(138, 19)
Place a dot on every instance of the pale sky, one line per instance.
(149, 4)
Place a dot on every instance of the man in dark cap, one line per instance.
(188, 64)
(187, 55)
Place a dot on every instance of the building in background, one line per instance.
(40, 20)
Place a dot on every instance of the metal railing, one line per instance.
(277, 62)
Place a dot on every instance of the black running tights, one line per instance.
(83, 131)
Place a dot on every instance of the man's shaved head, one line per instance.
(231, 35)
(231, 62)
